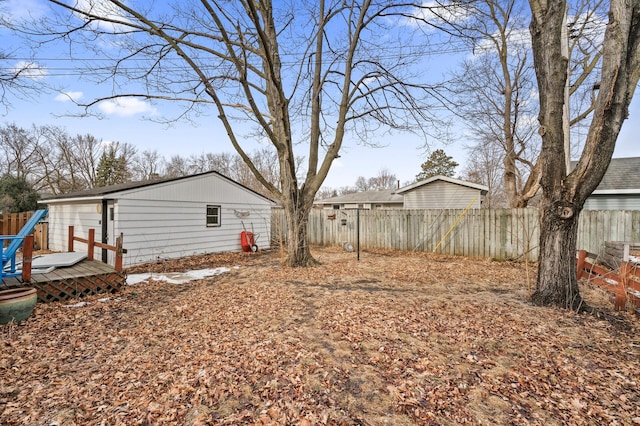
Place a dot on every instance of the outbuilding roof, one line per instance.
(101, 192)
(484, 189)
(622, 175)
(373, 197)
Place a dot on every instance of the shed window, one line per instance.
(213, 216)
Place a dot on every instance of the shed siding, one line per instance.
(441, 195)
(612, 202)
(155, 230)
(168, 220)
(80, 215)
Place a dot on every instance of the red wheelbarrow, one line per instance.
(248, 239)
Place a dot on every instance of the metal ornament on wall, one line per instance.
(241, 213)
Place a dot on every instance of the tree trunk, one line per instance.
(298, 251)
(557, 283)
(564, 194)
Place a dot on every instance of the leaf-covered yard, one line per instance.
(397, 339)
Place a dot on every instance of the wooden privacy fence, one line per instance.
(487, 233)
(11, 223)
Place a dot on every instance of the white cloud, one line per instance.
(68, 96)
(103, 9)
(126, 107)
(438, 13)
(591, 28)
(517, 39)
(30, 70)
(14, 10)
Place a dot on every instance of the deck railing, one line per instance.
(91, 243)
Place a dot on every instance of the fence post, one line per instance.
(118, 265)
(70, 239)
(582, 255)
(621, 293)
(91, 243)
(27, 256)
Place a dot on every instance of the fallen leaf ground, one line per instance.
(394, 339)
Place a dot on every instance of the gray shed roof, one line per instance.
(622, 174)
(112, 189)
(622, 177)
(381, 196)
(482, 188)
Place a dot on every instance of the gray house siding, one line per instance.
(168, 229)
(165, 219)
(613, 202)
(619, 188)
(442, 195)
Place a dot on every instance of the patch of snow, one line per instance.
(77, 305)
(133, 279)
(176, 277)
(103, 300)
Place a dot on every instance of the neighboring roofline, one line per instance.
(103, 192)
(621, 177)
(70, 200)
(420, 183)
(327, 201)
(615, 191)
(348, 198)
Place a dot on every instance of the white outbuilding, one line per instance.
(164, 218)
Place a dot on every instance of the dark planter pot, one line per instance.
(16, 304)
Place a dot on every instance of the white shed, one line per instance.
(163, 219)
(442, 192)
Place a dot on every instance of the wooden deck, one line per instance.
(85, 278)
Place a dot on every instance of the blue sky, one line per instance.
(402, 154)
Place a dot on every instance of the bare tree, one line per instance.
(77, 160)
(49, 158)
(220, 162)
(385, 179)
(177, 166)
(326, 192)
(493, 92)
(564, 191)
(362, 184)
(148, 165)
(496, 87)
(20, 80)
(329, 67)
(18, 151)
(485, 166)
